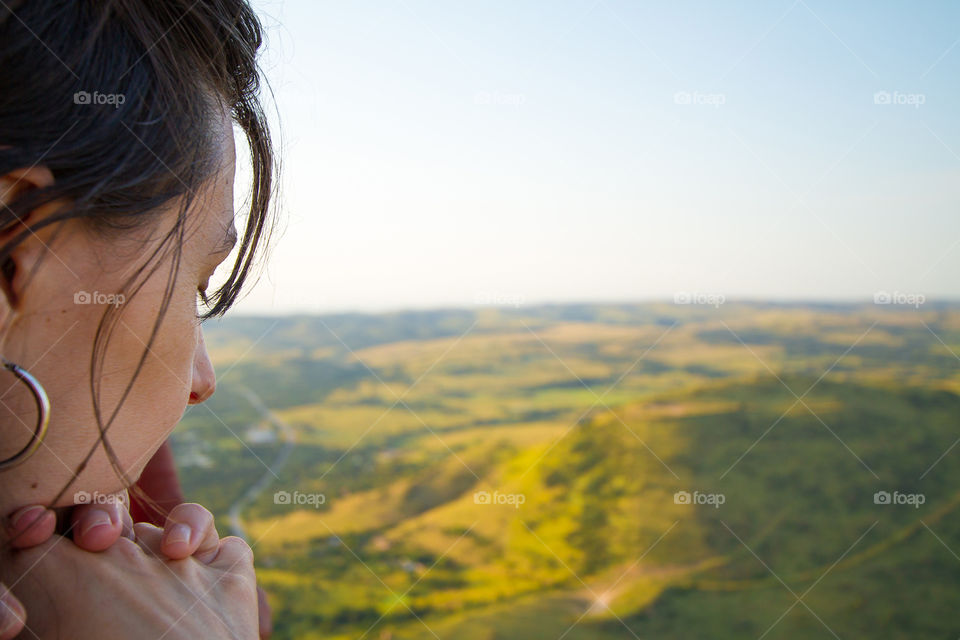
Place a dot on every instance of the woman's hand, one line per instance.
(131, 590)
(189, 531)
(94, 527)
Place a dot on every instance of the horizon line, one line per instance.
(517, 306)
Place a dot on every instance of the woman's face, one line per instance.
(66, 276)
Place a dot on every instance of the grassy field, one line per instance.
(594, 472)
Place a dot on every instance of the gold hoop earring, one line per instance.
(43, 414)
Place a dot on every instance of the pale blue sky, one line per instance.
(437, 153)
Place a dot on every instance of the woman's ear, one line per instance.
(13, 185)
(20, 180)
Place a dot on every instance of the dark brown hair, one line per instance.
(119, 99)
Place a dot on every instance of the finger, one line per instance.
(126, 523)
(30, 526)
(190, 531)
(266, 617)
(12, 614)
(97, 526)
(148, 536)
(123, 508)
(234, 556)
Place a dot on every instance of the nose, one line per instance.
(203, 381)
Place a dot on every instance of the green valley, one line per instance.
(592, 471)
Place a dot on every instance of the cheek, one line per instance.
(148, 410)
(156, 400)
(142, 387)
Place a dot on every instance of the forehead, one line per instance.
(219, 197)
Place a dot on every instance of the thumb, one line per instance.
(12, 614)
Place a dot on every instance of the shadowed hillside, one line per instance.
(595, 472)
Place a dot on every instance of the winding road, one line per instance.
(272, 471)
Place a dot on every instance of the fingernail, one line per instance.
(27, 516)
(93, 519)
(179, 533)
(12, 612)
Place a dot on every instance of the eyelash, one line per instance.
(202, 294)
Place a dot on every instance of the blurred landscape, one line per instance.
(591, 472)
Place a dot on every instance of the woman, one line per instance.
(117, 164)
